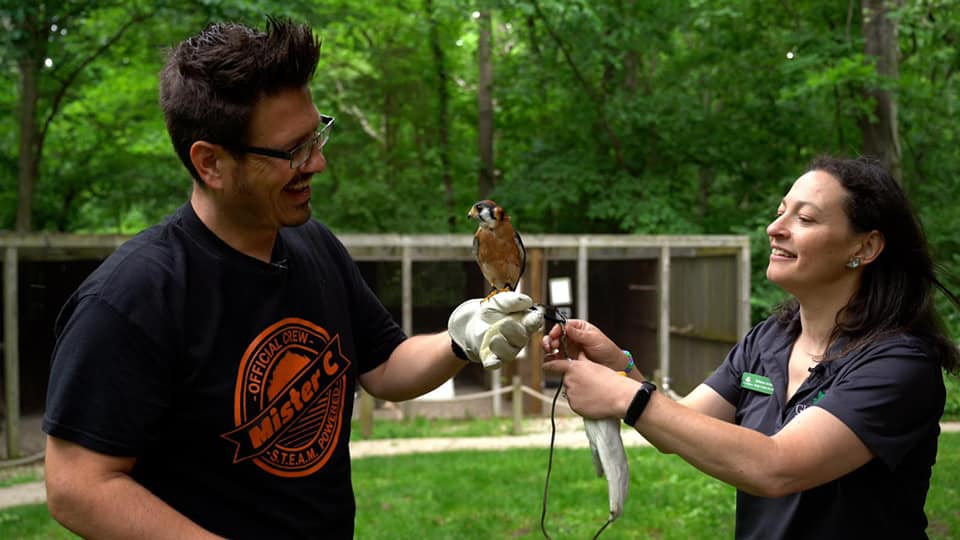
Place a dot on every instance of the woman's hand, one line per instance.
(584, 342)
(594, 391)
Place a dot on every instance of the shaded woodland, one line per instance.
(600, 116)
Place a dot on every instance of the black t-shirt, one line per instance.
(890, 393)
(230, 380)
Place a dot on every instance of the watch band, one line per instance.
(458, 350)
(639, 403)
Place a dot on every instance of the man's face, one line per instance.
(265, 192)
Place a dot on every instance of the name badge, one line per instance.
(757, 383)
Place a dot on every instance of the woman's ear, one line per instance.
(209, 160)
(871, 247)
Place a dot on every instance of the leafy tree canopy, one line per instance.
(621, 116)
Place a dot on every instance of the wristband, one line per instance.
(630, 364)
(458, 351)
(639, 403)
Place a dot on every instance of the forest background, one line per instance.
(599, 116)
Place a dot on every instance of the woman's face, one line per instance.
(811, 239)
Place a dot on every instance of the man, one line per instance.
(203, 377)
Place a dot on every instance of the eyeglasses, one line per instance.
(302, 152)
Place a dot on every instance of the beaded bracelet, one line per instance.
(630, 364)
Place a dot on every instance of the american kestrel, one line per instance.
(497, 246)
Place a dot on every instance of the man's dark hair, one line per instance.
(212, 81)
(897, 289)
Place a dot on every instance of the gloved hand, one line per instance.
(493, 331)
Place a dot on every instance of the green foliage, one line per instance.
(951, 411)
(610, 117)
(765, 297)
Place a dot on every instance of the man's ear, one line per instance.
(871, 247)
(210, 161)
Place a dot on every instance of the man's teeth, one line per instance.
(298, 186)
(782, 253)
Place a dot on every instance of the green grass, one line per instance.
(436, 427)
(951, 410)
(942, 509)
(19, 475)
(30, 522)
(481, 495)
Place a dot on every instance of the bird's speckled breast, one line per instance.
(498, 258)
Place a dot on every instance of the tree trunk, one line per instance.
(631, 57)
(31, 50)
(535, 50)
(706, 176)
(28, 163)
(443, 105)
(485, 104)
(880, 130)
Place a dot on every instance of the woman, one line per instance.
(825, 417)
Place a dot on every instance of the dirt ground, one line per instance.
(32, 438)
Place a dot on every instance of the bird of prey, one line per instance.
(497, 247)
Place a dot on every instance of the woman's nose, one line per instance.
(776, 228)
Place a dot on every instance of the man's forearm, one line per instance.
(119, 507)
(418, 365)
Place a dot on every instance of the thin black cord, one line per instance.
(553, 436)
(605, 525)
(546, 484)
(562, 321)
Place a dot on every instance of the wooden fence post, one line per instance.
(535, 271)
(11, 349)
(517, 405)
(366, 413)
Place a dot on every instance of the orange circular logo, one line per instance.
(289, 399)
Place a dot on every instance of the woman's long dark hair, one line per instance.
(896, 294)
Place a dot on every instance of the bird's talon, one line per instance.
(495, 292)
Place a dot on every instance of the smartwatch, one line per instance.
(639, 403)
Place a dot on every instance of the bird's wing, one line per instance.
(523, 256)
(476, 246)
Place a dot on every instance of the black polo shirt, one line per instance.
(890, 393)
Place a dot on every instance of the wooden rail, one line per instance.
(407, 249)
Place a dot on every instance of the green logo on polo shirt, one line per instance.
(757, 383)
(818, 398)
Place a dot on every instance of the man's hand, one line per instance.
(493, 331)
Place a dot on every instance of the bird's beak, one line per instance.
(472, 214)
